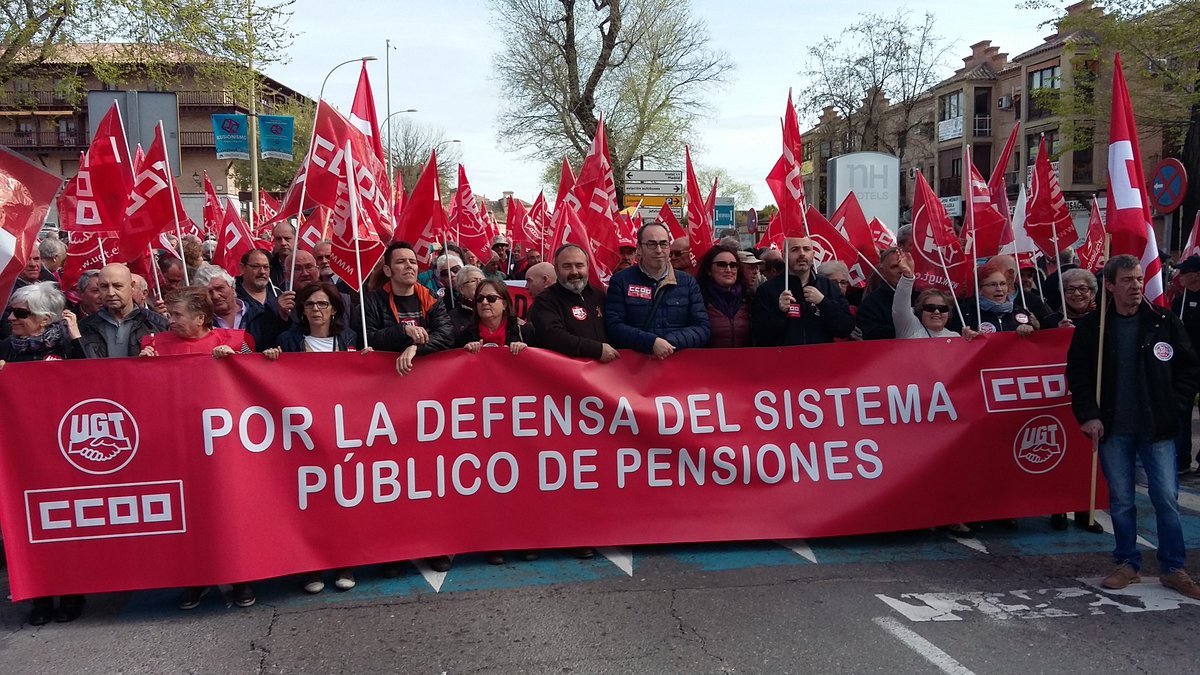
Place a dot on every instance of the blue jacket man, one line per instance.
(652, 308)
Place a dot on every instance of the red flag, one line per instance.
(233, 240)
(996, 186)
(666, 218)
(938, 258)
(773, 235)
(362, 114)
(883, 237)
(89, 250)
(516, 219)
(268, 207)
(566, 187)
(829, 244)
(1128, 208)
(154, 202)
(627, 228)
(357, 247)
(108, 176)
(423, 220)
(596, 192)
(983, 226)
(1091, 251)
(26, 192)
(785, 179)
(1047, 218)
(1192, 247)
(850, 222)
(569, 229)
(700, 229)
(538, 222)
(398, 197)
(471, 229)
(214, 213)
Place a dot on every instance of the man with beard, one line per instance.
(255, 285)
(811, 310)
(628, 252)
(568, 317)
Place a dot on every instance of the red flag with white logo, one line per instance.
(570, 229)
(850, 222)
(1128, 218)
(26, 192)
(566, 187)
(472, 231)
(829, 244)
(1047, 219)
(883, 237)
(107, 179)
(984, 227)
(596, 192)
(357, 247)
(785, 179)
(700, 229)
(772, 235)
(213, 212)
(1091, 251)
(423, 221)
(938, 257)
(996, 183)
(666, 218)
(363, 116)
(233, 240)
(154, 203)
(538, 221)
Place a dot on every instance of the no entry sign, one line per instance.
(1168, 185)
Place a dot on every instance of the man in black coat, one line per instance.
(569, 315)
(811, 310)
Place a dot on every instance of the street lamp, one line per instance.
(388, 127)
(311, 144)
(445, 143)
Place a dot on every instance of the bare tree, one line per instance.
(645, 64)
(410, 143)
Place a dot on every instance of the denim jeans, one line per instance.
(1118, 454)
(1183, 442)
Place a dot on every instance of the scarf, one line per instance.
(988, 305)
(496, 337)
(727, 300)
(48, 341)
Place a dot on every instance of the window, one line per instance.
(1053, 145)
(1046, 78)
(1082, 155)
(950, 106)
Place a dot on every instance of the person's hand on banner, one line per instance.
(474, 347)
(517, 347)
(404, 364)
(662, 349)
(272, 354)
(969, 334)
(608, 354)
(148, 351)
(221, 351)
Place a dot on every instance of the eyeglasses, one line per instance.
(995, 284)
(22, 312)
(447, 272)
(487, 298)
(258, 267)
(679, 254)
(936, 309)
(725, 264)
(656, 244)
(1078, 290)
(317, 304)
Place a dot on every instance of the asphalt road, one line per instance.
(1024, 601)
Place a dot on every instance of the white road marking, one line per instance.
(929, 651)
(1153, 596)
(800, 547)
(1104, 519)
(433, 578)
(971, 543)
(620, 556)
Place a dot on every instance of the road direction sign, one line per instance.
(651, 215)
(650, 200)
(1168, 186)
(654, 176)
(653, 188)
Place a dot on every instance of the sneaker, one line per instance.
(190, 597)
(344, 580)
(313, 584)
(242, 595)
(439, 563)
(1122, 577)
(1178, 580)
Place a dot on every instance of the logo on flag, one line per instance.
(98, 436)
(1040, 445)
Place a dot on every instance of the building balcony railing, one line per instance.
(950, 186)
(205, 99)
(33, 99)
(983, 125)
(43, 139)
(197, 139)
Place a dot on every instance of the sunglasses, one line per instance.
(447, 272)
(21, 312)
(725, 264)
(487, 298)
(935, 309)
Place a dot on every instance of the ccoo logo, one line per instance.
(98, 436)
(1040, 445)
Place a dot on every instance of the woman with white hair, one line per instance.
(42, 329)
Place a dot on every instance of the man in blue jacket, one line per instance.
(652, 308)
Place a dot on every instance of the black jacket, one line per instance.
(292, 340)
(874, 316)
(92, 345)
(1186, 306)
(570, 323)
(1168, 371)
(261, 324)
(816, 324)
(388, 336)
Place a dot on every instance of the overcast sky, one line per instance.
(442, 66)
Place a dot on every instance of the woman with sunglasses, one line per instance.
(42, 331)
(727, 296)
(928, 317)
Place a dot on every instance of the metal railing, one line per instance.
(31, 99)
(43, 139)
(217, 99)
(197, 139)
(983, 125)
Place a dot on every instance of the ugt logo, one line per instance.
(98, 436)
(230, 126)
(1040, 445)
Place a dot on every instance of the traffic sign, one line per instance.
(653, 188)
(652, 201)
(651, 215)
(752, 221)
(1168, 186)
(654, 176)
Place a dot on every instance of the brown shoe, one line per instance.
(1122, 577)
(1179, 580)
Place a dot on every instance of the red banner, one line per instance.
(319, 461)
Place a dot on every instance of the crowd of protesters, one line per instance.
(660, 300)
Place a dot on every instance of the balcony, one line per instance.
(43, 139)
(950, 186)
(205, 99)
(24, 100)
(197, 139)
(983, 125)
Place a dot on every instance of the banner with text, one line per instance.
(182, 471)
(231, 136)
(276, 135)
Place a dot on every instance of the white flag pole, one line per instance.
(969, 217)
(352, 195)
(154, 271)
(174, 206)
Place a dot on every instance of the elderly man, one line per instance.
(171, 273)
(254, 285)
(88, 286)
(875, 311)
(141, 291)
(811, 310)
(628, 252)
(651, 307)
(260, 325)
(118, 327)
(445, 269)
(538, 278)
(752, 269)
(53, 253)
(681, 256)
(773, 264)
(526, 259)
(283, 240)
(1149, 374)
